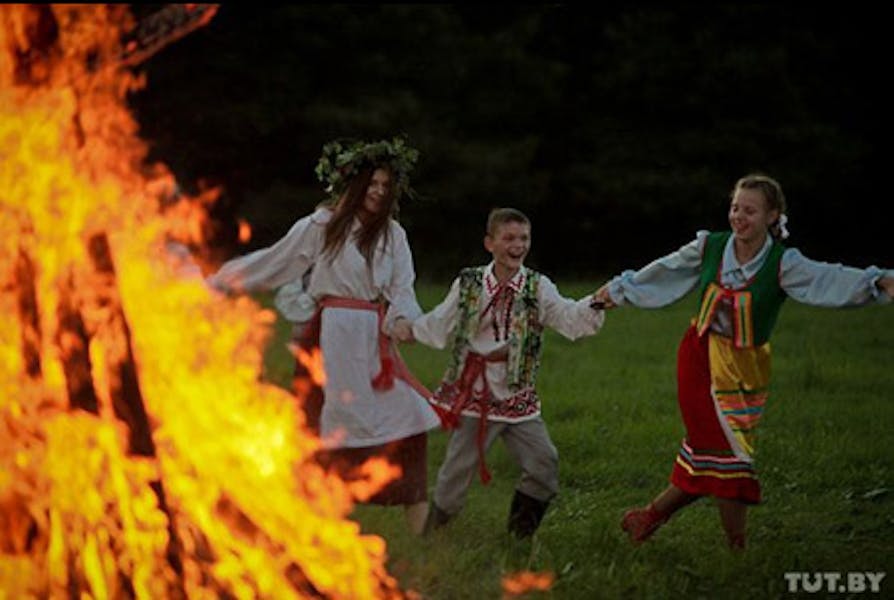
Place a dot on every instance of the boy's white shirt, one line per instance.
(571, 318)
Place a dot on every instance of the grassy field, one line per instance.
(825, 456)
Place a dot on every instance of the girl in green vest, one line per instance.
(723, 363)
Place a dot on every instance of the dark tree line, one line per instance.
(618, 128)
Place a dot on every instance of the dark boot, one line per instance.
(436, 519)
(525, 514)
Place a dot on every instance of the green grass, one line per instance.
(824, 455)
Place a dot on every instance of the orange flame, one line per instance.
(312, 360)
(523, 582)
(374, 474)
(139, 454)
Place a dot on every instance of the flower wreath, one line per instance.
(343, 159)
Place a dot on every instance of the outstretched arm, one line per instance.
(661, 282)
(572, 318)
(832, 284)
(268, 268)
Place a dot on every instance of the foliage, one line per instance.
(343, 159)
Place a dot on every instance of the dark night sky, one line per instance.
(619, 129)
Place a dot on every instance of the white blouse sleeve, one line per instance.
(283, 262)
(663, 281)
(435, 327)
(829, 284)
(571, 318)
(399, 292)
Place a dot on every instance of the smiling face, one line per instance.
(749, 216)
(508, 244)
(378, 192)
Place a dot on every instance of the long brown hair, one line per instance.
(350, 205)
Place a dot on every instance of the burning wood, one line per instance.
(139, 454)
(163, 27)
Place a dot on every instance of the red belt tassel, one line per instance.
(473, 370)
(385, 379)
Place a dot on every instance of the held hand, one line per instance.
(402, 331)
(886, 284)
(601, 300)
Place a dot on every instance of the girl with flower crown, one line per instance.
(360, 283)
(723, 363)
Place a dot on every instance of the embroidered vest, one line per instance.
(525, 334)
(754, 307)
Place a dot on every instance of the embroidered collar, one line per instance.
(491, 285)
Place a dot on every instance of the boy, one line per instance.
(493, 318)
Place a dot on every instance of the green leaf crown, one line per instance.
(343, 159)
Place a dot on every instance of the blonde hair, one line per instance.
(772, 193)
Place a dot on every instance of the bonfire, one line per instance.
(140, 454)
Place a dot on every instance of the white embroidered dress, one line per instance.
(354, 414)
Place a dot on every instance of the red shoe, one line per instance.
(641, 523)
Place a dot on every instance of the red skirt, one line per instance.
(706, 464)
